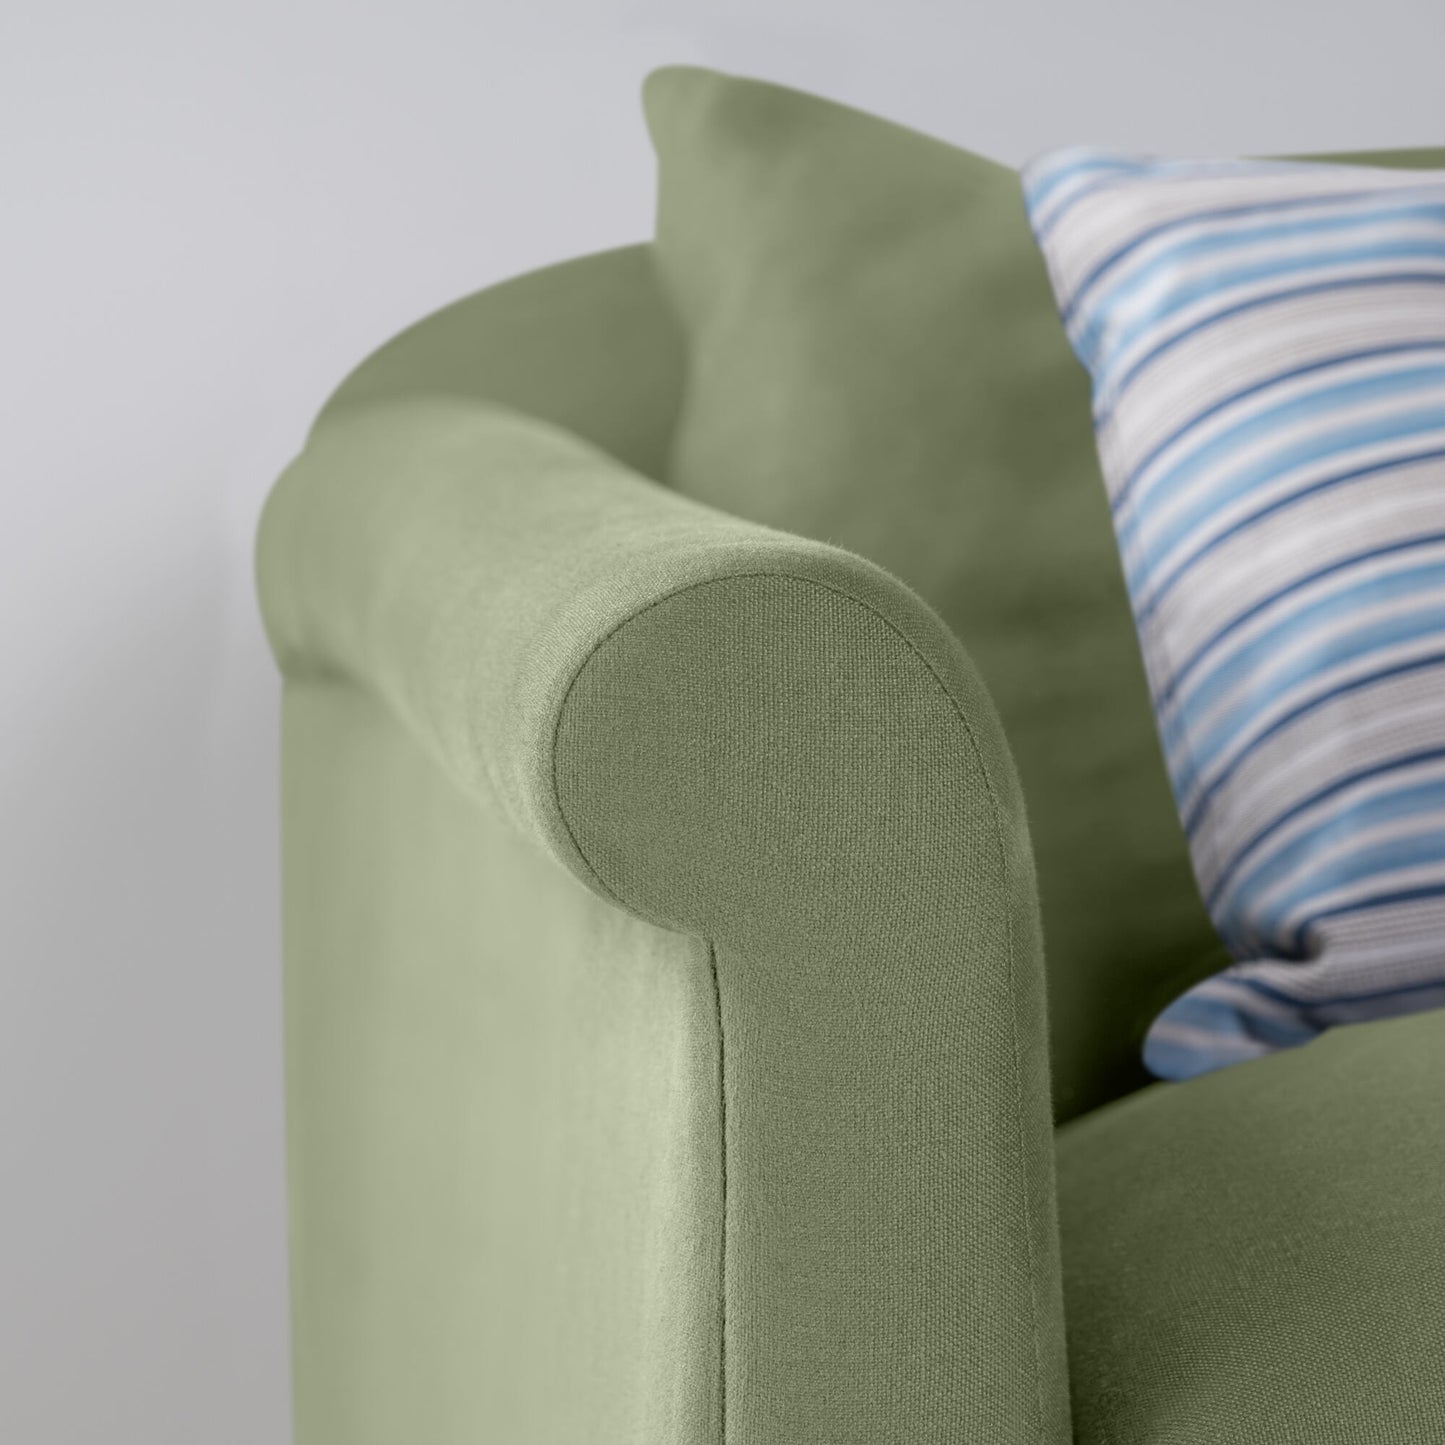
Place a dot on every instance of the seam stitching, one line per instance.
(722, 1094)
(995, 819)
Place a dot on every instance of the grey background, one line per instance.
(208, 214)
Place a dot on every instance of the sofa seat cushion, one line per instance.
(1258, 1254)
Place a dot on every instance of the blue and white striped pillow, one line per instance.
(1267, 346)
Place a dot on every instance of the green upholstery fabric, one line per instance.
(1259, 1254)
(755, 762)
(1418, 158)
(502, 1119)
(590, 344)
(876, 360)
(665, 1027)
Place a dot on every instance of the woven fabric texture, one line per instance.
(1257, 1254)
(735, 736)
(1267, 344)
(504, 1157)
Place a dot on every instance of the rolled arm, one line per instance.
(773, 744)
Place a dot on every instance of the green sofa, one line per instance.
(672, 1054)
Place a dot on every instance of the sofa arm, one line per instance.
(772, 744)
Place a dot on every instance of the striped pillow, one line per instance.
(1267, 346)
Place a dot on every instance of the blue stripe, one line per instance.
(1383, 900)
(1321, 795)
(1037, 193)
(1412, 426)
(1350, 358)
(1195, 218)
(1209, 1011)
(1205, 746)
(1315, 1005)
(1186, 293)
(1263, 927)
(1166, 694)
(1355, 474)
(1320, 443)
(1409, 800)
(1417, 664)
(1404, 278)
(1087, 331)
(1259, 662)
(1197, 170)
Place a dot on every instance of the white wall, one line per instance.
(208, 213)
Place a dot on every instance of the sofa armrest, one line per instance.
(774, 745)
